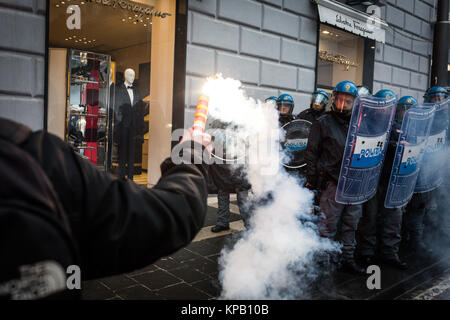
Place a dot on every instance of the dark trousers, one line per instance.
(381, 221)
(331, 213)
(420, 205)
(126, 151)
(427, 217)
(223, 198)
(443, 208)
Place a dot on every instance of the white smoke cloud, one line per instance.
(274, 259)
(436, 221)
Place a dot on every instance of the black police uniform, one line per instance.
(388, 220)
(283, 119)
(326, 143)
(310, 115)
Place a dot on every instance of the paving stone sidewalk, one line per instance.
(192, 274)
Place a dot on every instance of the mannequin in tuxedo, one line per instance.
(129, 122)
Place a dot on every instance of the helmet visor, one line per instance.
(318, 99)
(400, 112)
(343, 102)
(284, 108)
(437, 97)
(271, 101)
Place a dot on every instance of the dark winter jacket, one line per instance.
(326, 143)
(390, 155)
(227, 178)
(116, 225)
(285, 119)
(310, 115)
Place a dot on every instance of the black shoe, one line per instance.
(351, 267)
(396, 263)
(218, 228)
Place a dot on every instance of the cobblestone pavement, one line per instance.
(192, 274)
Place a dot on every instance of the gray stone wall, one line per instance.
(22, 61)
(270, 46)
(402, 64)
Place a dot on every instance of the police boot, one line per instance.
(351, 267)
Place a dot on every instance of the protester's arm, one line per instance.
(312, 154)
(118, 225)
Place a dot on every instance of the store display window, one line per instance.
(99, 81)
(340, 57)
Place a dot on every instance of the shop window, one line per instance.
(340, 57)
(99, 81)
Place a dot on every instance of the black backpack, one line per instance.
(36, 246)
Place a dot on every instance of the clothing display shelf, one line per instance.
(99, 115)
(88, 112)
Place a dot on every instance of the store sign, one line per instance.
(368, 28)
(131, 6)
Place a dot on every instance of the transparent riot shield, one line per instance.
(365, 149)
(228, 147)
(446, 182)
(412, 139)
(294, 145)
(434, 162)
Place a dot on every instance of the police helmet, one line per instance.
(364, 91)
(385, 94)
(435, 94)
(344, 105)
(285, 104)
(319, 100)
(403, 104)
(271, 98)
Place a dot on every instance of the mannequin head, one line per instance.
(129, 76)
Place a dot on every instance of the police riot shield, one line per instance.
(412, 139)
(227, 146)
(431, 174)
(366, 144)
(446, 182)
(295, 142)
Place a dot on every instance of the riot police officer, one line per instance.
(375, 214)
(422, 209)
(435, 94)
(285, 106)
(326, 143)
(319, 101)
